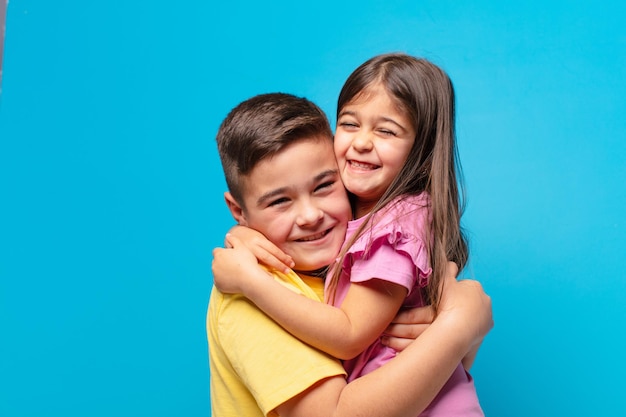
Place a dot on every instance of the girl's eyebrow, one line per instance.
(382, 118)
(387, 119)
(344, 112)
(278, 191)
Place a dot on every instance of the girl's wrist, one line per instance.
(255, 283)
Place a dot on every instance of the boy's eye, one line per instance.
(324, 185)
(278, 201)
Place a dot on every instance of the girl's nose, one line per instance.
(362, 142)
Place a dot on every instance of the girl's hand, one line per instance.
(407, 326)
(265, 251)
(233, 267)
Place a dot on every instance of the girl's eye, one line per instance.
(348, 124)
(387, 132)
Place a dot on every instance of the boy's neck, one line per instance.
(317, 273)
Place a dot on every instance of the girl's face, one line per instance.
(372, 141)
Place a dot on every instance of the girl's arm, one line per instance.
(342, 332)
(409, 382)
(404, 328)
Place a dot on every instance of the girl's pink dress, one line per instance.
(394, 250)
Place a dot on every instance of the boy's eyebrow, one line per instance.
(271, 194)
(324, 174)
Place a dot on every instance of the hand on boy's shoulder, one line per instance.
(230, 265)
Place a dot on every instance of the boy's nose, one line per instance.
(309, 214)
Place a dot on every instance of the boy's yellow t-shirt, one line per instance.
(255, 364)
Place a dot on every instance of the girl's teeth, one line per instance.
(362, 165)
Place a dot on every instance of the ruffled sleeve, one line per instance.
(394, 248)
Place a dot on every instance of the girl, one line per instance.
(395, 147)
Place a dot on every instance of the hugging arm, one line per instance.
(409, 382)
(404, 328)
(368, 308)
(409, 324)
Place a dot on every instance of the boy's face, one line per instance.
(297, 200)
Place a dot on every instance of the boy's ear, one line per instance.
(235, 209)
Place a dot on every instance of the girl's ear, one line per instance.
(235, 209)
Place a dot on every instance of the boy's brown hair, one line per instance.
(260, 127)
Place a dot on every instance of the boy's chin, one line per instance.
(313, 260)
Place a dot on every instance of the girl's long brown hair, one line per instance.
(426, 94)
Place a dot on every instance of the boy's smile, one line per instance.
(297, 200)
(315, 237)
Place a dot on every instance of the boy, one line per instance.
(277, 156)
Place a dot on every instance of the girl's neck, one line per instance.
(362, 209)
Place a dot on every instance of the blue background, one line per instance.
(111, 188)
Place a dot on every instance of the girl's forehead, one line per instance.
(378, 90)
(369, 92)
